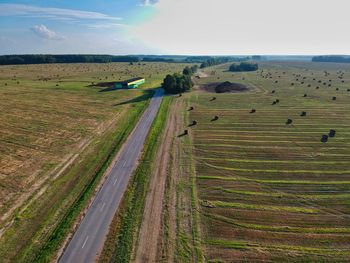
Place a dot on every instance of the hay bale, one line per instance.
(215, 118)
(289, 121)
(277, 100)
(305, 95)
(191, 108)
(324, 138)
(303, 113)
(213, 98)
(331, 133)
(334, 98)
(253, 111)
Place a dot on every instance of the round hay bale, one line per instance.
(215, 118)
(303, 113)
(289, 121)
(324, 138)
(331, 133)
(253, 111)
(334, 98)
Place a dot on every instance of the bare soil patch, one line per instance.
(224, 87)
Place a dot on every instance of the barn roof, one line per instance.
(130, 80)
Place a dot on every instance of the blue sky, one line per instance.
(75, 26)
(192, 27)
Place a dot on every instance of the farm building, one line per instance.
(130, 83)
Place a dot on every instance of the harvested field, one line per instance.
(56, 134)
(270, 191)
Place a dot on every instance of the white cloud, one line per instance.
(247, 27)
(52, 13)
(43, 32)
(149, 2)
(106, 25)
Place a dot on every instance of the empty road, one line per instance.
(91, 234)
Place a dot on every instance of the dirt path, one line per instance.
(152, 218)
(168, 246)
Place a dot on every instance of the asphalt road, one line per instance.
(91, 234)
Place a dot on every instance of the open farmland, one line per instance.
(57, 135)
(269, 190)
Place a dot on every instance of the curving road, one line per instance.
(88, 240)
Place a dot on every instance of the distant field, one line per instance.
(56, 134)
(268, 190)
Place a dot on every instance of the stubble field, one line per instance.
(56, 137)
(269, 190)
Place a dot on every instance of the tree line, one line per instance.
(212, 61)
(243, 66)
(206, 61)
(45, 59)
(335, 59)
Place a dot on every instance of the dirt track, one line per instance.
(152, 218)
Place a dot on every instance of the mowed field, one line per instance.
(56, 134)
(271, 191)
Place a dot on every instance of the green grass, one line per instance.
(283, 194)
(248, 245)
(311, 230)
(259, 207)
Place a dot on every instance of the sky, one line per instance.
(176, 27)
